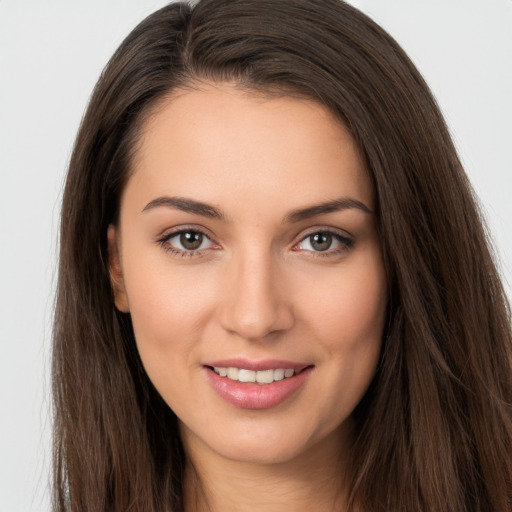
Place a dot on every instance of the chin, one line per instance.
(261, 453)
(261, 444)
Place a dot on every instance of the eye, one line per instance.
(318, 242)
(189, 240)
(186, 242)
(324, 242)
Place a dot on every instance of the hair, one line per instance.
(434, 429)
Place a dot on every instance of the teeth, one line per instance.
(261, 377)
(246, 376)
(279, 374)
(233, 373)
(265, 377)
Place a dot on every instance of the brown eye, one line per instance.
(191, 240)
(321, 241)
(187, 242)
(327, 242)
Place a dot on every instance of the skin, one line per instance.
(258, 287)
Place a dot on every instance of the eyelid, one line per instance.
(323, 229)
(168, 234)
(344, 238)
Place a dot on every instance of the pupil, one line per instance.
(321, 241)
(191, 240)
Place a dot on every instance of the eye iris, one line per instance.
(191, 240)
(321, 241)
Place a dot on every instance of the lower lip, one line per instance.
(247, 395)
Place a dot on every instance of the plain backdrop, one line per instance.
(51, 54)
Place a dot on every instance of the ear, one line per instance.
(116, 271)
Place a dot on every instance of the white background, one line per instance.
(51, 54)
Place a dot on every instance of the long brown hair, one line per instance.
(434, 430)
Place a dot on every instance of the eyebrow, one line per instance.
(336, 205)
(206, 210)
(185, 205)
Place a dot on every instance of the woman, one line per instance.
(275, 289)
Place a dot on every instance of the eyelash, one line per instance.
(345, 243)
(164, 242)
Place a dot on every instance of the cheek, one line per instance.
(349, 320)
(361, 309)
(349, 310)
(168, 308)
(167, 315)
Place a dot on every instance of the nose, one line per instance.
(255, 301)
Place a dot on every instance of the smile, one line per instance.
(266, 384)
(260, 377)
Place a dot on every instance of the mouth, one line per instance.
(250, 385)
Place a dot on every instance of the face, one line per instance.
(247, 255)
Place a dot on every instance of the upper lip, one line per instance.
(264, 364)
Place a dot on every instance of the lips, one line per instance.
(256, 385)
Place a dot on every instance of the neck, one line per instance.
(314, 480)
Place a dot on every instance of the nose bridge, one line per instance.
(255, 305)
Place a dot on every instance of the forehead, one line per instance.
(220, 142)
